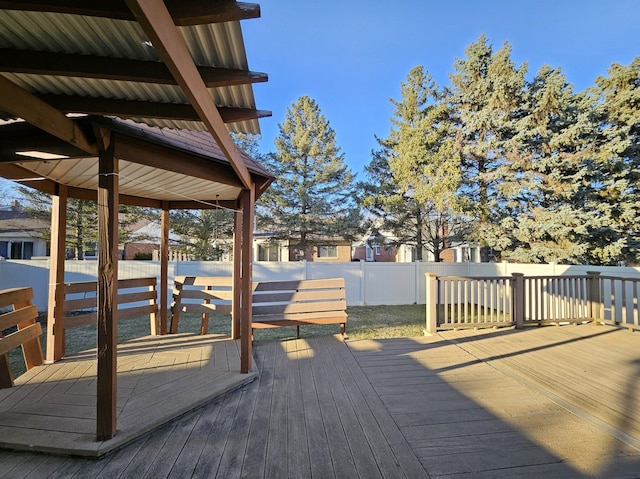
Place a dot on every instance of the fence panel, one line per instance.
(366, 283)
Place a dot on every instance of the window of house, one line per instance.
(328, 251)
(16, 249)
(267, 252)
(376, 249)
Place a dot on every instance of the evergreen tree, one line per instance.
(313, 197)
(616, 184)
(204, 234)
(413, 178)
(486, 95)
(551, 167)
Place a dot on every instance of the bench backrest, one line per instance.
(136, 297)
(203, 294)
(16, 311)
(304, 296)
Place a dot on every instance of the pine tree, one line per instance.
(313, 197)
(413, 178)
(551, 168)
(204, 234)
(616, 199)
(486, 95)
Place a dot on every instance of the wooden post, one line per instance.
(248, 200)
(594, 300)
(517, 299)
(236, 313)
(431, 304)
(164, 268)
(107, 293)
(55, 304)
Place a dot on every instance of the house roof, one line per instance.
(23, 226)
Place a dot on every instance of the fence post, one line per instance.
(593, 295)
(517, 298)
(431, 304)
(363, 282)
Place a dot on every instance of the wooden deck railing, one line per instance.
(462, 302)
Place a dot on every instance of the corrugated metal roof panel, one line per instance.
(219, 45)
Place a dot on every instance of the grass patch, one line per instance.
(365, 322)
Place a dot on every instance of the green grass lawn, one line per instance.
(365, 322)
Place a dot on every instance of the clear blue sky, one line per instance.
(351, 55)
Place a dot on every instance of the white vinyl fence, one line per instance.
(366, 283)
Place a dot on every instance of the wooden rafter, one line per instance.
(184, 12)
(121, 69)
(22, 104)
(155, 20)
(145, 109)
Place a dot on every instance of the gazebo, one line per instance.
(130, 102)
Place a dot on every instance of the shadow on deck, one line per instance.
(52, 408)
(554, 402)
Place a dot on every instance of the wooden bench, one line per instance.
(16, 311)
(202, 295)
(299, 303)
(136, 297)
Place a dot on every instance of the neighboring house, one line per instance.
(21, 237)
(268, 248)
(464, 253)
(148, 244)
(375, 249)
(329, 250)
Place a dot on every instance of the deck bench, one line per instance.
(203, 295)
(19, 316)
(136, 297)
(299, 303)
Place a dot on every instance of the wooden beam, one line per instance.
(107, 294)
(184, 12)
(144, 109)
(120, 69)
(248, 204)
(20, 103)
(142, 153)
(155, 20)
(55, 306)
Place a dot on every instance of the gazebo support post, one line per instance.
(236, 312)
(55, 306)
(248, 203)
(164, 268)
(108, 193)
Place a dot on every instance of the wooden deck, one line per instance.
(52, 408)
(553, 402)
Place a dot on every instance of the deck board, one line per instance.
(459, 404)
(52, 407)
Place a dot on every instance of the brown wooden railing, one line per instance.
(518, 300)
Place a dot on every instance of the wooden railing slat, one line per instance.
(19, 337)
